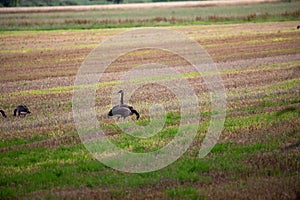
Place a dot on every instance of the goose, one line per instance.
(3, 113)
(292, 146)
(21, 110)
(123, 110)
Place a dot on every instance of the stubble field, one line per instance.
(42, 155)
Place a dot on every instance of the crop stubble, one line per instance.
(36, 61)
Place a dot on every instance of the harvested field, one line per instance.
(42, 155)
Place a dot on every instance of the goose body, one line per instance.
(123, 110)
(21, 110)
(120, 111)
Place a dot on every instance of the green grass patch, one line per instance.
(268, 101)
(43, 169)
(237, 150)
(28, 170)
(115, 18)
(267, 90)
(163, 137)
(235, 123)
(19, 141)
(183, 193)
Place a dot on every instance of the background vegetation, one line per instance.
(110, 18)
(13, 3)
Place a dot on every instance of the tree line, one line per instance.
(28, 3)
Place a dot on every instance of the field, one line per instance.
(141, 15)
(42, 155)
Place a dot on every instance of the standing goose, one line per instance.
(21, 110)
(123, 110)
(3, 113)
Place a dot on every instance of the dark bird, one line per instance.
(298, 27)
(123, 110)
(292, 146)
(3, 113)
(21, 110)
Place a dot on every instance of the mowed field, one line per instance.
(42, 155)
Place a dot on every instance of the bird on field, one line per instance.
(123, 110)
(292, 146)
(3, 113)
(21, 110)
(298, 27)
